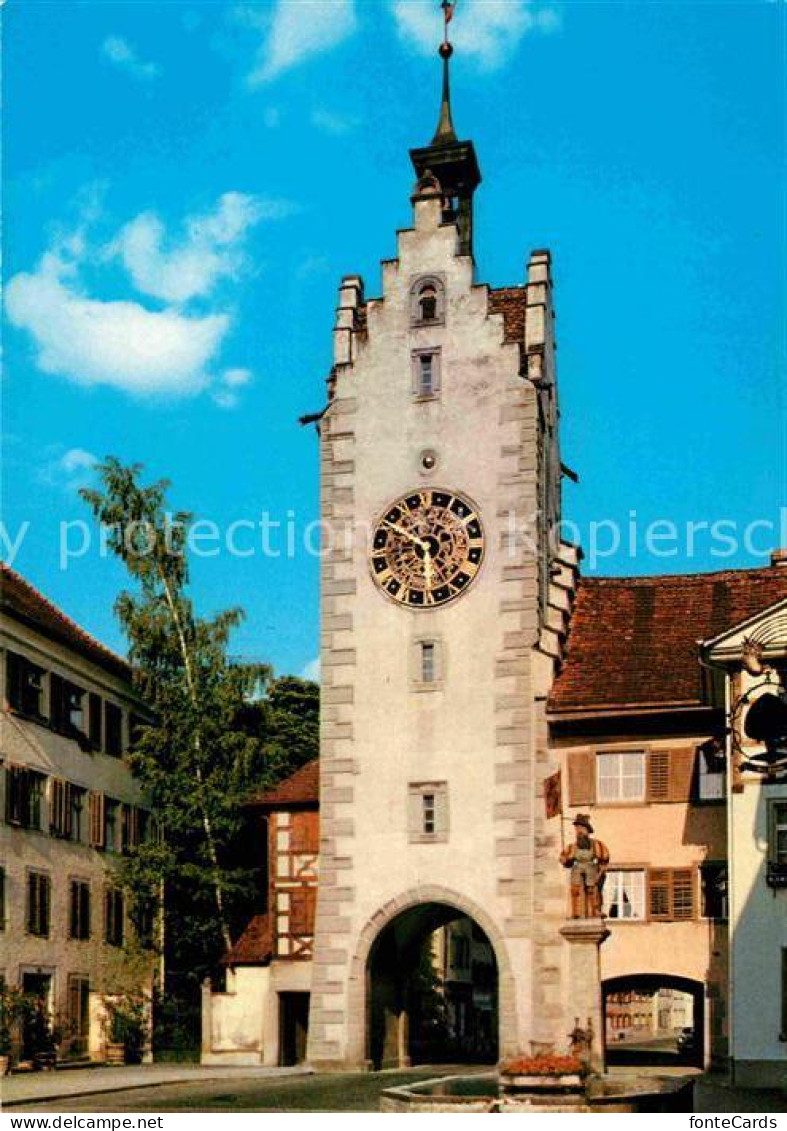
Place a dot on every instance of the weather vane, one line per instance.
(448, 14)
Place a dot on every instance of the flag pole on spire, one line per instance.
(445, 132)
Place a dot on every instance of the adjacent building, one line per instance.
(70, 809)
(751, 659)
(638, 722)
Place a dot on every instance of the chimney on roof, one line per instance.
(779, 559)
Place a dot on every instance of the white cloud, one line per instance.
(226, 395)
(488, 30)
(123, 55)
(210, 249)
(298, 30)
(234, 378)
(331, 123)
(116, 343)
(70, 470)
(312, 670)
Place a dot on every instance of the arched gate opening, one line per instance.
(654, 1019)
(431, 990)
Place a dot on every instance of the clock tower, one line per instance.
(445, 594)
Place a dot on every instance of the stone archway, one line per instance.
(421, 898)
(654, 1019)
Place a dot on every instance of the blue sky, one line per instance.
(194, 178)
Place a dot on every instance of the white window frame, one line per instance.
(630, 884)
(420, 391)
(711, 784)
(614, 786)
(427, 812)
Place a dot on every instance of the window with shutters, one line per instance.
(95, 712)
(671, 894)
(113, 730)
(79, 910)
(711, 772)
(96, 808)
(77, 818)
(25, 687)
(111, 824)
(428, 812)
(24, 797)
(620, 776)
(129, 827)
(66, 706)
(113, 917)
(60, 808)
(624, 894)
(39, 902)
(715, 890)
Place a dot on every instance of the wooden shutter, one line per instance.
(671, 894)
(681, 773)
(659, 894)
(56, 702)
(658, 775)
(60, 816)
(303, 902)
(94, 714)
(581, 777)
(97, 812)
(683, 893)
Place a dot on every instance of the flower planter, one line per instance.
(542, 1084)
(115, 1053)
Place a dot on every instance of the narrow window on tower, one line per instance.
(426, 667)
(427, 817)
(426, 373)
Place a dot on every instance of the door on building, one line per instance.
(38, 986)
(293, 1028)
(78, 1014)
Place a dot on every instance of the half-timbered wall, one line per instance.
(293, 847)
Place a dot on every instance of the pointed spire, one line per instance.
(445, 133)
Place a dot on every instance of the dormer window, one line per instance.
(427, 307)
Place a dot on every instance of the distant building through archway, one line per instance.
(432, 990)
(654, 1019)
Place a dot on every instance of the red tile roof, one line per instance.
(255, 945)
(22, 601)
(633, 640)
(511, 302)
(300, 788)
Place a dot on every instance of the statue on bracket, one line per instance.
(588, 860)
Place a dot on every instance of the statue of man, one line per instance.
(588, 860)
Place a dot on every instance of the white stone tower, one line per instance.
(441, 620)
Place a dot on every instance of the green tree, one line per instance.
(196, 755)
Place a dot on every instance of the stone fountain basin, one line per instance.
(481, 1093)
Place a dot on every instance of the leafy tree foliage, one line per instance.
(216, 730)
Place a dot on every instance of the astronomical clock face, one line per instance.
(427, 548)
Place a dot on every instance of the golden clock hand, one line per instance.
(406, 534)
(428, 569)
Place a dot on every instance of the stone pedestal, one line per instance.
(583, 999)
